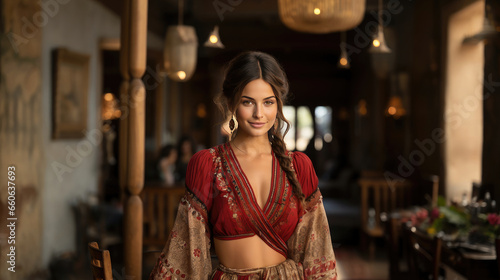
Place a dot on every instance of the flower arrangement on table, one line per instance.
(457, 223)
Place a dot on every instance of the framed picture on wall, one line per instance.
(70, 92)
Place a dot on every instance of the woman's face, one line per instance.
(172, 157)
(256, 112)
(186, 148)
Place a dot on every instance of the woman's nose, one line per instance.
(258, 112)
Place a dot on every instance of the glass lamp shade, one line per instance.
(321, 16)
(180, 52)
(378, 44)
(343, 62)
(213, 40)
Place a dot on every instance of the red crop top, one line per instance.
(216, 179)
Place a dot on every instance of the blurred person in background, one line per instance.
(166, 164)
(186, 148)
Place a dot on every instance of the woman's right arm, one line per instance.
(186, 254)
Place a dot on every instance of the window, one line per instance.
(302, 127)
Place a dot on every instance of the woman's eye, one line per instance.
(246, 102)
(269, 102)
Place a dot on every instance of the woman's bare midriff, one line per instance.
(250, 252)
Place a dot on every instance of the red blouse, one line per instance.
(215, 178)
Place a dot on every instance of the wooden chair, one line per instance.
(100, 262)
(424, 254)
(160, 205)
(380, 196)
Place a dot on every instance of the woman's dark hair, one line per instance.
(166, 151)
(182, 140)
(250, 66)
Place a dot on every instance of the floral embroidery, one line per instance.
(321, 269)
(221, 183)
(196, 252)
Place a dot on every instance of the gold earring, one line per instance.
(231, 124)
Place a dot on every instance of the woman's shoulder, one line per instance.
(306, 175)
(204, 155)
(206, 159)
(300, 160)
(200, 174)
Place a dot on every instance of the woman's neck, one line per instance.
(252, 145)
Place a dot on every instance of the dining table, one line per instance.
(470, 260)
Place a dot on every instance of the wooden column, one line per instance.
(137, 37)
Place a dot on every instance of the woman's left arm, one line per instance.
(311, 244)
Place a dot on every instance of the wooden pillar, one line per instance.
(136, 23)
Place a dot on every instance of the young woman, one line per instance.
(256, 202)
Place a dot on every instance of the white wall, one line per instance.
(464, 102)
(78, 26)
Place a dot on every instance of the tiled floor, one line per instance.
(354, 265)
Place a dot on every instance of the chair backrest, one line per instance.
(160, 204)
(378, 196)
(100, 262)
(424, 253)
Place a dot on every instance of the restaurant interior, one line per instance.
(396, 103)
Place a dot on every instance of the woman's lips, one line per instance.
(257, 124)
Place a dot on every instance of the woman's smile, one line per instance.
(257, 124)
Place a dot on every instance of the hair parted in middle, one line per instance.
(250, 66)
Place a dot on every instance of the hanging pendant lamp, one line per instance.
(180, 50)
(321, 16)
(344, 62)
(213, 40)
(378, 43)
